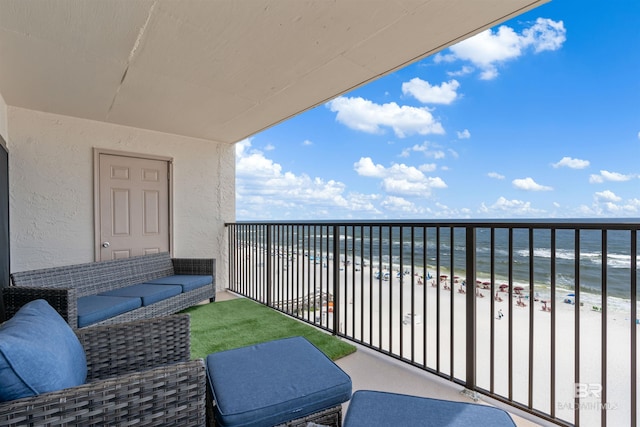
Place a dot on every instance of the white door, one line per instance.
(133, 206)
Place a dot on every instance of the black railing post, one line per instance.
(335, 278)
(634, 322)
(470, 328)
(232, 254)
(269, 278)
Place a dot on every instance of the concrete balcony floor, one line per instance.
(370, 370)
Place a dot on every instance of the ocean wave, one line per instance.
(614, 260)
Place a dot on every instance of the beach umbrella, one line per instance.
(503, 287)
(518, 289)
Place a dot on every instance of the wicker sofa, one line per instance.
(138, 373)
(115, 291)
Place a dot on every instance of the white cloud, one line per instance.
(424, 92)
(264, 190)
(461, 72)
(609, 176)
(638, 135)
(306, 142)
(366, 167)
(465, 134)
(509, 208)
(399, 204)
(489, 48)
(430, 150)
(428, 167)
(615, 176)
(630, 208)
(254, 163)
(495, 175)
(399, 179)
(571, 163)
(529, 184)
(603, 206)
(607, 195)
(545, 34)
(595, 179)
(366, 116)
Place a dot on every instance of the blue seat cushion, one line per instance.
(39, 353)
(274, 382)
(188, 282)
(96, 308)
(368, 408)
(149, 294)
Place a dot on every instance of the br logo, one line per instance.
(585, 390)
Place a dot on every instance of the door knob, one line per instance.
(105, 244)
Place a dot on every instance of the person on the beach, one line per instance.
(500, 315)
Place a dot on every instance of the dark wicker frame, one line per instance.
(139, 373)
(62, 286)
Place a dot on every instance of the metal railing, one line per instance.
(539, 315)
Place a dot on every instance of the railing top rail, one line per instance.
(583, 224)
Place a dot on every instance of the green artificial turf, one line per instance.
(240, 322)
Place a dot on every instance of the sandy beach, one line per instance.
(379, 314)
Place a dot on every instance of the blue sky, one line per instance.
(536, 118)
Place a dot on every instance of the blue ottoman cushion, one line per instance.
(369, 408)
(96, 308)
(149, 294)
(188, 282)
(274, 382)
(39, 353)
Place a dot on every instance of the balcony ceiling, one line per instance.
(220, 70)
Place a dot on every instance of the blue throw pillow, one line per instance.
(39, 353)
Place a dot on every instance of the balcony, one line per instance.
(490, 308)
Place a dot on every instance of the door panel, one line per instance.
(133, 205)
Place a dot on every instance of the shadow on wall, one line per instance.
(4, 220)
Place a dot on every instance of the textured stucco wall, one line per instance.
(51, 195)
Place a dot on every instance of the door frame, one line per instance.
(96, 192)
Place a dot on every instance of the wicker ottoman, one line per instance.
(283, 382)
(374, 408)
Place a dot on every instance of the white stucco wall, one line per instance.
(51, 188)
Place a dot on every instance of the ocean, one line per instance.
(382, 245)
